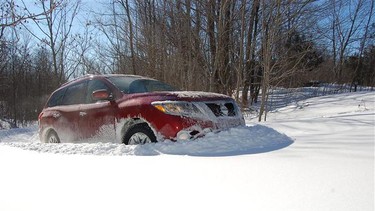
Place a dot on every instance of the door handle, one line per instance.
(82, 113)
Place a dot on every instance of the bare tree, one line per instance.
(250, 71)
(13, 13)
(56, 27)
(358, 75)
(279, 61)
(271, 23)
(347, 18)
(240, 67)
(126, 10)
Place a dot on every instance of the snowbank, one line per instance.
(235, 141)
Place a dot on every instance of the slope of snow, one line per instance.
(316, 154)
(333, 151)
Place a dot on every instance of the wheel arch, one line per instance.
(126, 124)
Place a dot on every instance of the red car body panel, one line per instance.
(138, 105)
(94, 116)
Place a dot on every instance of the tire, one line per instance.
(52, 137)
(139, 134)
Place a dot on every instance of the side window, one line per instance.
(75, 94)
(137, 87)
(56, 98)
(92, 86)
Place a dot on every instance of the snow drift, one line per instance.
(235, 141)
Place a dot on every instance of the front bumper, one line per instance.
(209, 116)
(197, 130)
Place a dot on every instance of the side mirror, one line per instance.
(102, 94)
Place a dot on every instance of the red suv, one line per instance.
(132, 110)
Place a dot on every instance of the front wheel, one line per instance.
(52, 137)
(139, 134)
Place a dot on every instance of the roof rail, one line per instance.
(78, 78)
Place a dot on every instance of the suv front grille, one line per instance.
(222, 109)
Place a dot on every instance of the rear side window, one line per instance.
(75, 94)
(56, 98)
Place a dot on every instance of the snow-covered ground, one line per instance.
(315, 154)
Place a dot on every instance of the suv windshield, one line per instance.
(130, 85)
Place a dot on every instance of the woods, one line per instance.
(237, 47)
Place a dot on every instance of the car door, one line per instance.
(97, 118)
(67, 114)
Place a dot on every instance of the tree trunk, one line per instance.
(249, 52)
(212, 41)
(131, 36)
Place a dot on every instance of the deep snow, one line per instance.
(235, 141)
(315, 154)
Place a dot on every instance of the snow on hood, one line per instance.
(197, 94)
(234, 141)
(176, 95)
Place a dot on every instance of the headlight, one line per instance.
(178, 108)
